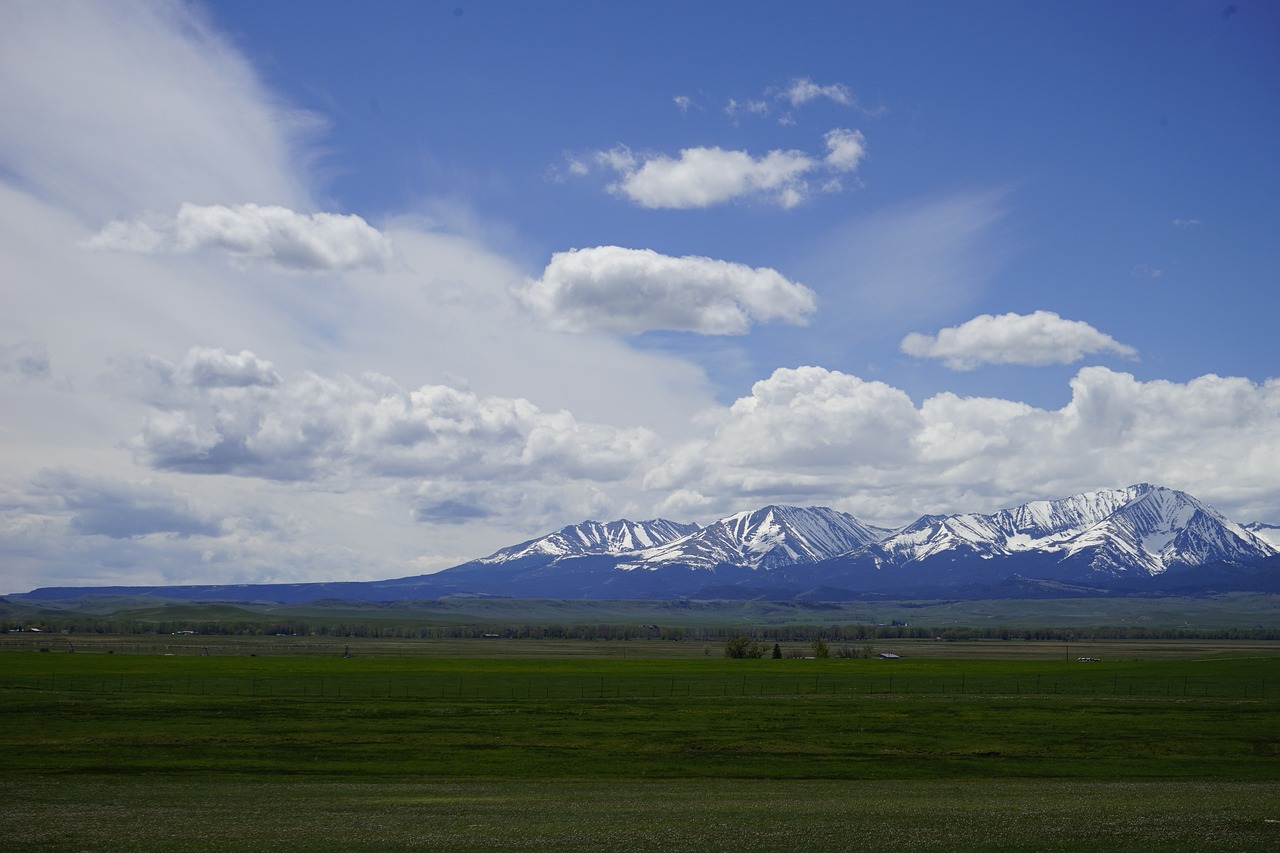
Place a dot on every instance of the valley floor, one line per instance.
(255, 752)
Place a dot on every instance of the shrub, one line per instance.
(743, 647)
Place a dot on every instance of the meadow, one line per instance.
(216, 744)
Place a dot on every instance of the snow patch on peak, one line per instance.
(595, 537)
(1269, 533)
(764, 538)
(1144, 527)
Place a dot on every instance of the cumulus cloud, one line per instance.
(812, 434)
(215, 413)
(1038, 338)
(702, 177)
(276, 236)
(628, 291)
(214, 367)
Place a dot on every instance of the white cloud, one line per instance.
(277, 236)
(166, 113)
(702, 177)
(1186, 223)
(814, 435)
(612, 289)
(845, 149)
(213, 413)
(750, 107)
(619, 158)
(803, 90)
(1038, 338)
(797, 93)
(210, 367)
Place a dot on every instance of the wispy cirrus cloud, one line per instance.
(927, 261)
(1039, 338)
(276, 236)
(628, 291)
(139, 106)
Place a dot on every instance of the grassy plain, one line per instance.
(1225, 611)
(229, 812)
(1178, 749)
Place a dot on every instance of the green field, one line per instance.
(1179, 749)
(1239, 611)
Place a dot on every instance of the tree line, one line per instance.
(839, 634)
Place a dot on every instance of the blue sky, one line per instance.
(305, 291)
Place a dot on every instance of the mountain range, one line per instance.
(1142, 539)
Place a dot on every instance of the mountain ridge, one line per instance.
(770, 536)
(1140, 527)
(1108, 541)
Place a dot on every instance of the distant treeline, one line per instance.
(783, 633)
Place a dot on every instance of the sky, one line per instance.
(308, 291)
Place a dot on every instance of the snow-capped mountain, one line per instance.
(595, 537)
(1269, 533)
(1142, 528)
(1162, 529)
(1140, 539)
(762, 539)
